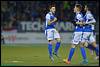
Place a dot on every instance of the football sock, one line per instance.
(57, 47)
(83, 52)
(97, 51)
(72, 50)
(50, 49)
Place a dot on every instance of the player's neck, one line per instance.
(78, 12)
(88, 11)
(52, 13)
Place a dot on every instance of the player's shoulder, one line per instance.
(79, 15)
(89, 13)
(48, 14)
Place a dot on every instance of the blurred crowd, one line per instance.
(12, 12)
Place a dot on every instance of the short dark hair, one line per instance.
(52, 5)
(88, 6)
(79, 6)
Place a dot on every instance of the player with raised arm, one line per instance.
(77, 36)
(51, 33)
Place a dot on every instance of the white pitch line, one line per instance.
(15, 61)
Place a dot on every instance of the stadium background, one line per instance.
(22, 22)
(29, 17)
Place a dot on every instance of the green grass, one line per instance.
(37, 55)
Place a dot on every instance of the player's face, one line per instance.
(75, 9)
(53, 9)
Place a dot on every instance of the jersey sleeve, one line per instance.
(79, 18)
(47, 17)
(90, 18)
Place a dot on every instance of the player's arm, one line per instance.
(81, 23)
(54, 20)
(51, 21)
(90, 20)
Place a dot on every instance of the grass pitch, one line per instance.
(37, 55)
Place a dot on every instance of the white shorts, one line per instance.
(77, 36)
(51, 34)
(88, 37)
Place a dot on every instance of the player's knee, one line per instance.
(85, 44)
(82, 45)
(58, 40)
(73, 46)
(50, 41)
(94, 44)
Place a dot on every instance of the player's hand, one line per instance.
(49, 22)
(81, 23)
(55, 19)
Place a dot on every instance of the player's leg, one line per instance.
(57, 46)
(83, 52)
(71, 53)
(91, 42)
(96, 48)
(58, 42)
(49, 35)
(90, 47)
(97, 56)
(94, 45)
(50, 42)
(88, 44)
(75, 41)
(94, 34)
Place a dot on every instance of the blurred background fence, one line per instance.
(23, 21)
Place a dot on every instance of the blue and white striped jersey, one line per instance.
(79, 18)
(88, 18)
(49, 16)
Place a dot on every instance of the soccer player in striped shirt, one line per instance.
(88, 35)
(51, 33)
(77, 36)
